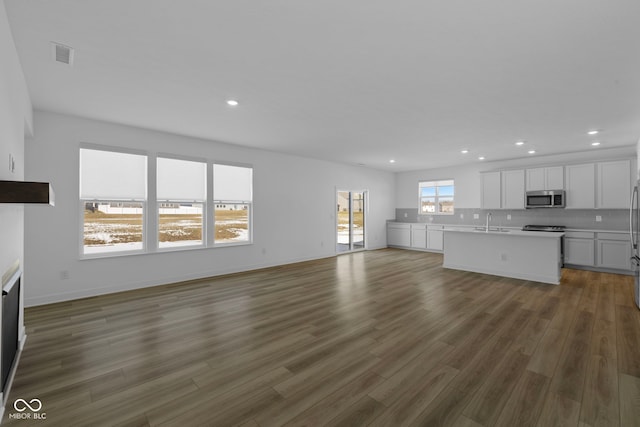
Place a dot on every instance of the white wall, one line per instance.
(467, 177)
(15, 120)
(305, 229)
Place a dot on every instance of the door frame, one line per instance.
(365, 219)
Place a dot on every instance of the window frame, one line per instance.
(215, 201)
(436, 184)
(203, 202)
(151, 221)
(83, 201)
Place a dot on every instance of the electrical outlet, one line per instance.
(508, 217)
(64, 275)
(598, 218)
(461, 216)
(476, 216)
(503, 257)
(406, 215)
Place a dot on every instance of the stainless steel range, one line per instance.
(550, 228)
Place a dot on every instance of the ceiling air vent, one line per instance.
(62, 53)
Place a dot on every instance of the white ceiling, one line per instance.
(355, 81)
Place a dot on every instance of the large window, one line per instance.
(182, 195)
(113, 197)
(193, 203)
(436, 197)
(232, 197)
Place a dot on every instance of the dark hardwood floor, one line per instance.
(384, 338)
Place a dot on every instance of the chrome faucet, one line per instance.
(488, 220)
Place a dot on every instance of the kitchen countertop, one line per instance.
(463, 226)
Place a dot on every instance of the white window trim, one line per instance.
(437, 182)
(150, 223)
(200, 245)
(111, 254)
(249, 240)
(212, 216)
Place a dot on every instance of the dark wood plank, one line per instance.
(383, 337)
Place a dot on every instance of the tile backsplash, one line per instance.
(611, 219)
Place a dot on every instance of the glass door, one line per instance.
(350, 221)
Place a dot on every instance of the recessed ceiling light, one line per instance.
(593, 132)
(232, 102)
(392, 161)
(481, 158)
(520, 143)
(595, 143)
(464, 151)
(531, 151)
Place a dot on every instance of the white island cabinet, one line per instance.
(435, 237)
(527, 255)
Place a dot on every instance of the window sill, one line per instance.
(103, 255)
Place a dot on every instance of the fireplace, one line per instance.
(10, 314)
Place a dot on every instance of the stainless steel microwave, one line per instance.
(545, 199)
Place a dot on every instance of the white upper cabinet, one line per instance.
(613, 184)
(503, 189)
(551, 178)
(580, 181)
(490, 190)
(598, 185)
(554, 178)
(513, 189)
(535, 179)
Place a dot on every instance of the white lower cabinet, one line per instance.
(415, 236)
(579, 248)
(604, 250)
(419, 236)
(399, 234)
(613, 251)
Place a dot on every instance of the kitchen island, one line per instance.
(527, 255)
